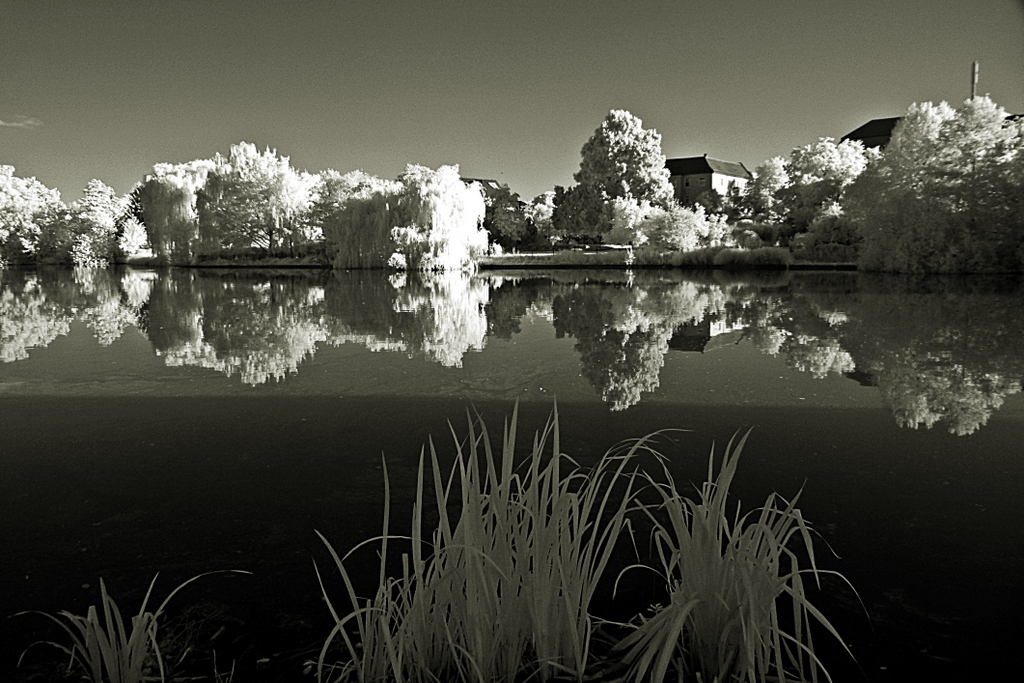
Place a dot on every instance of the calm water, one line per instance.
(185, 421)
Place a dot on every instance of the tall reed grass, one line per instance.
(506, 591)
(725, 579)
(105, 649)
(503, 592)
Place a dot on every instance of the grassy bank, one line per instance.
(725, 258)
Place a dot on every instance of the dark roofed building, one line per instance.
(878, 132)
(690, 176)
(691, 336)
(486, 183)
(874, 133)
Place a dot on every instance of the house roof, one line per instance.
(485, 182)
(878, 132)
(705, 164)
(874, 133)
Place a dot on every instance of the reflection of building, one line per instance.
(862, 377)
(695, 337)
(691, 336)
(691, 176)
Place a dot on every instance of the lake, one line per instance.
(184, 421)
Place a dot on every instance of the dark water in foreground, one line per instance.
(189, 421)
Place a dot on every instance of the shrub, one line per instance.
(832, 236)
(766, 257)
(131, 240)
(747, 239)
(671, 228)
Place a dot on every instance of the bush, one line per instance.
(748, 239)
(672, 228)
(831, 237)
(766, 257)
(698, 258)
(770, 234)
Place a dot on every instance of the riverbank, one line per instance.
(604, 257)
(774, 258)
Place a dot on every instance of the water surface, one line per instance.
(187, 420)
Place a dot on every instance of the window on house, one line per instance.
(702, 180)
(687, 182)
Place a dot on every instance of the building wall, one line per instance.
(688, 187)
(723, 183)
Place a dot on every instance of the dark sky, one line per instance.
(507, 90)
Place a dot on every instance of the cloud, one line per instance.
(20, 122)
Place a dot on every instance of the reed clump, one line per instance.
(106, 650)
(504, 592)
(725, 577)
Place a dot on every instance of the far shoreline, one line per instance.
(574, 259)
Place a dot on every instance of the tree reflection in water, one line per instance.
(450, 306)
(29, 319)
(945, 350)
(437, 315)
(622, 330)
(117, 302)
(940, 350)
(256, 325)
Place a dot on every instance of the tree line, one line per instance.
(945, 195)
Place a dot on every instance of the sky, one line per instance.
(507, 90)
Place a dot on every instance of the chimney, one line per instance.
(974, 80)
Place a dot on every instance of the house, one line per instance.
(878, 132)
(874, 133)
(696, 336)
(491, 188)
(692, 176)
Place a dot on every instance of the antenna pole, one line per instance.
(974, 80)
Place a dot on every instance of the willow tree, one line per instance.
(445, 215)
(357, 212)
(167, 199)
(427, 220)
